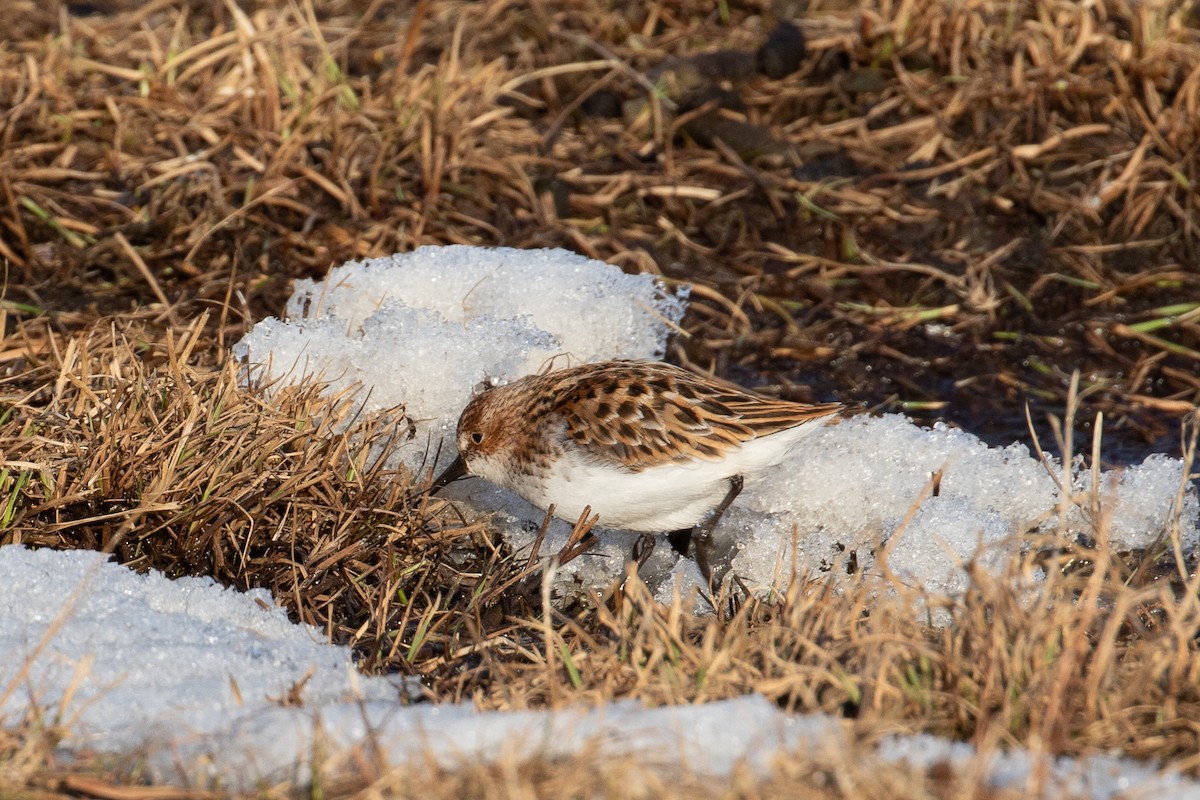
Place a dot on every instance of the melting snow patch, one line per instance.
(423, 329)
(188, 678)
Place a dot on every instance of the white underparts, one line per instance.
(669, 497)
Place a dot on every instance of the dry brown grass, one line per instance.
(1022, 174)
(172, 466)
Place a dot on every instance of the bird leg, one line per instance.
(680, 541)
(643, 548)
(702, 533)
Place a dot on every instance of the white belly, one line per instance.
(662, 498)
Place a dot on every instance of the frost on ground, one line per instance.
(201, 700)
(424, 329)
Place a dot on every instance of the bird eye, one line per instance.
(477, 437)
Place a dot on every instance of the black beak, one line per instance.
(456, 470)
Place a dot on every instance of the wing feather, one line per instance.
(641, 413)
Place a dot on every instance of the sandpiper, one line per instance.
(648, 446)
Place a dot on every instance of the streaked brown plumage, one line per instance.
(648, 446)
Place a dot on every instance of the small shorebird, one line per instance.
(648, 446)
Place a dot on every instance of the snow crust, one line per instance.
(424, 329)
(199, 699)
(201, 694)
